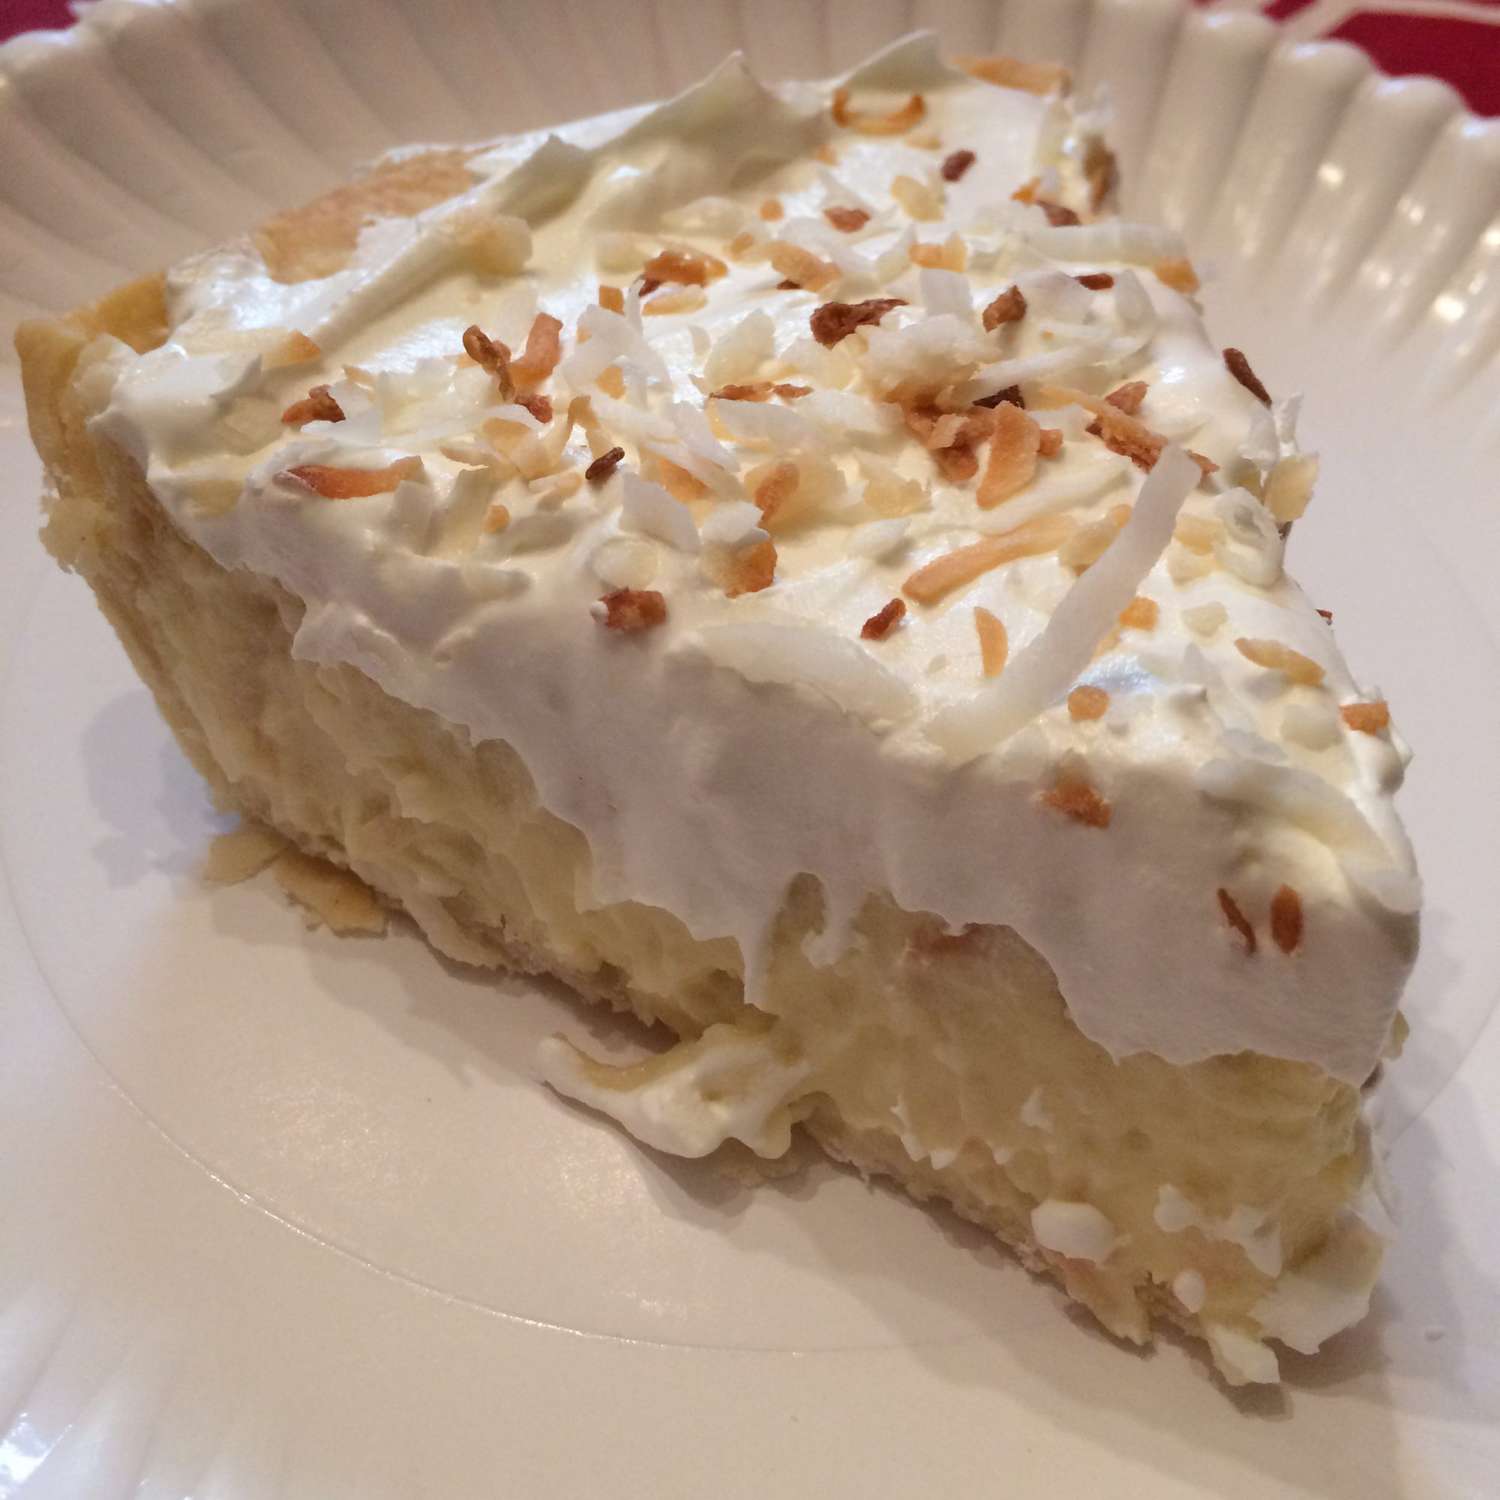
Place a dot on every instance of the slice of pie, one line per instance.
(792, 563)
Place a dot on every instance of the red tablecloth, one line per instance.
(1462, 44)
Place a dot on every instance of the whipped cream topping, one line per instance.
(1143, 836)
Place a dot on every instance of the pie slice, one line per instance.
(792, 563)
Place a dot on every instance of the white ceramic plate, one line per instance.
(289, 1215)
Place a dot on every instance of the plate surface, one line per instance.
(289, 1215)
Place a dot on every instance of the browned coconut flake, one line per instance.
(1177, 272)
(1076, 799)
(751, 569)
(603, 466)
(351, 484)
(953, 569)
(1140, 614)
(1096, 281)
(1276, 657)
(1008, 307)
(955, 165)
(834, 321)
(633, 610)
(1128, 397)
(685, 267)
(541, 355)
(1367, 718)
(491, 355)
(1237, 919)
(846, 220)
(1013, 73)
(895, 122)
(883, 621)
(1087, 702)
(1286, 919)
(802, 268)
(1013, 456)
(1238, 366)
(994, 642)
(318, 405)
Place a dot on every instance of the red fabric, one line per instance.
(1463, 48)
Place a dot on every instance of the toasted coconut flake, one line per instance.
(1013, 456)
(612, 297)
(801, 267)
(685, 267)
(896, 122)
(1118, 430)
(1276, 657)
(751, 569)
(846, 220)
(295, 349)
(774, 489)
(1012, 73)
(603, 466)
(994, 642)
(1286, 919)
(920, 200)
(351, 484)
(955, 164)
(630, 611)
(1008, 307)
(1205, 619)
(1238, 366)
(791, 392)
(1049, 442)
(1096, 281)
(492, 356)
(1368, 718)
(318, 405)
(1059, 215)
(1140, 614)
(612, 382)
(771, 210)
(743, 242)
(497, 517)
(1087, 702)
(679, 483)
(1128, 397)
(1289, 486)
(1101, 171)
(826, 153)
(1087, 545)
(686, 300)
(1177, 272)
(538, 405)
(1196, 533)
(835, 321)
(1027, 191)
(883, 621)
(933, 580)
(1074, 797)
(1011, 393)
(1237, 919)
(1184, 566)
(951, 255)
(755, 390)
